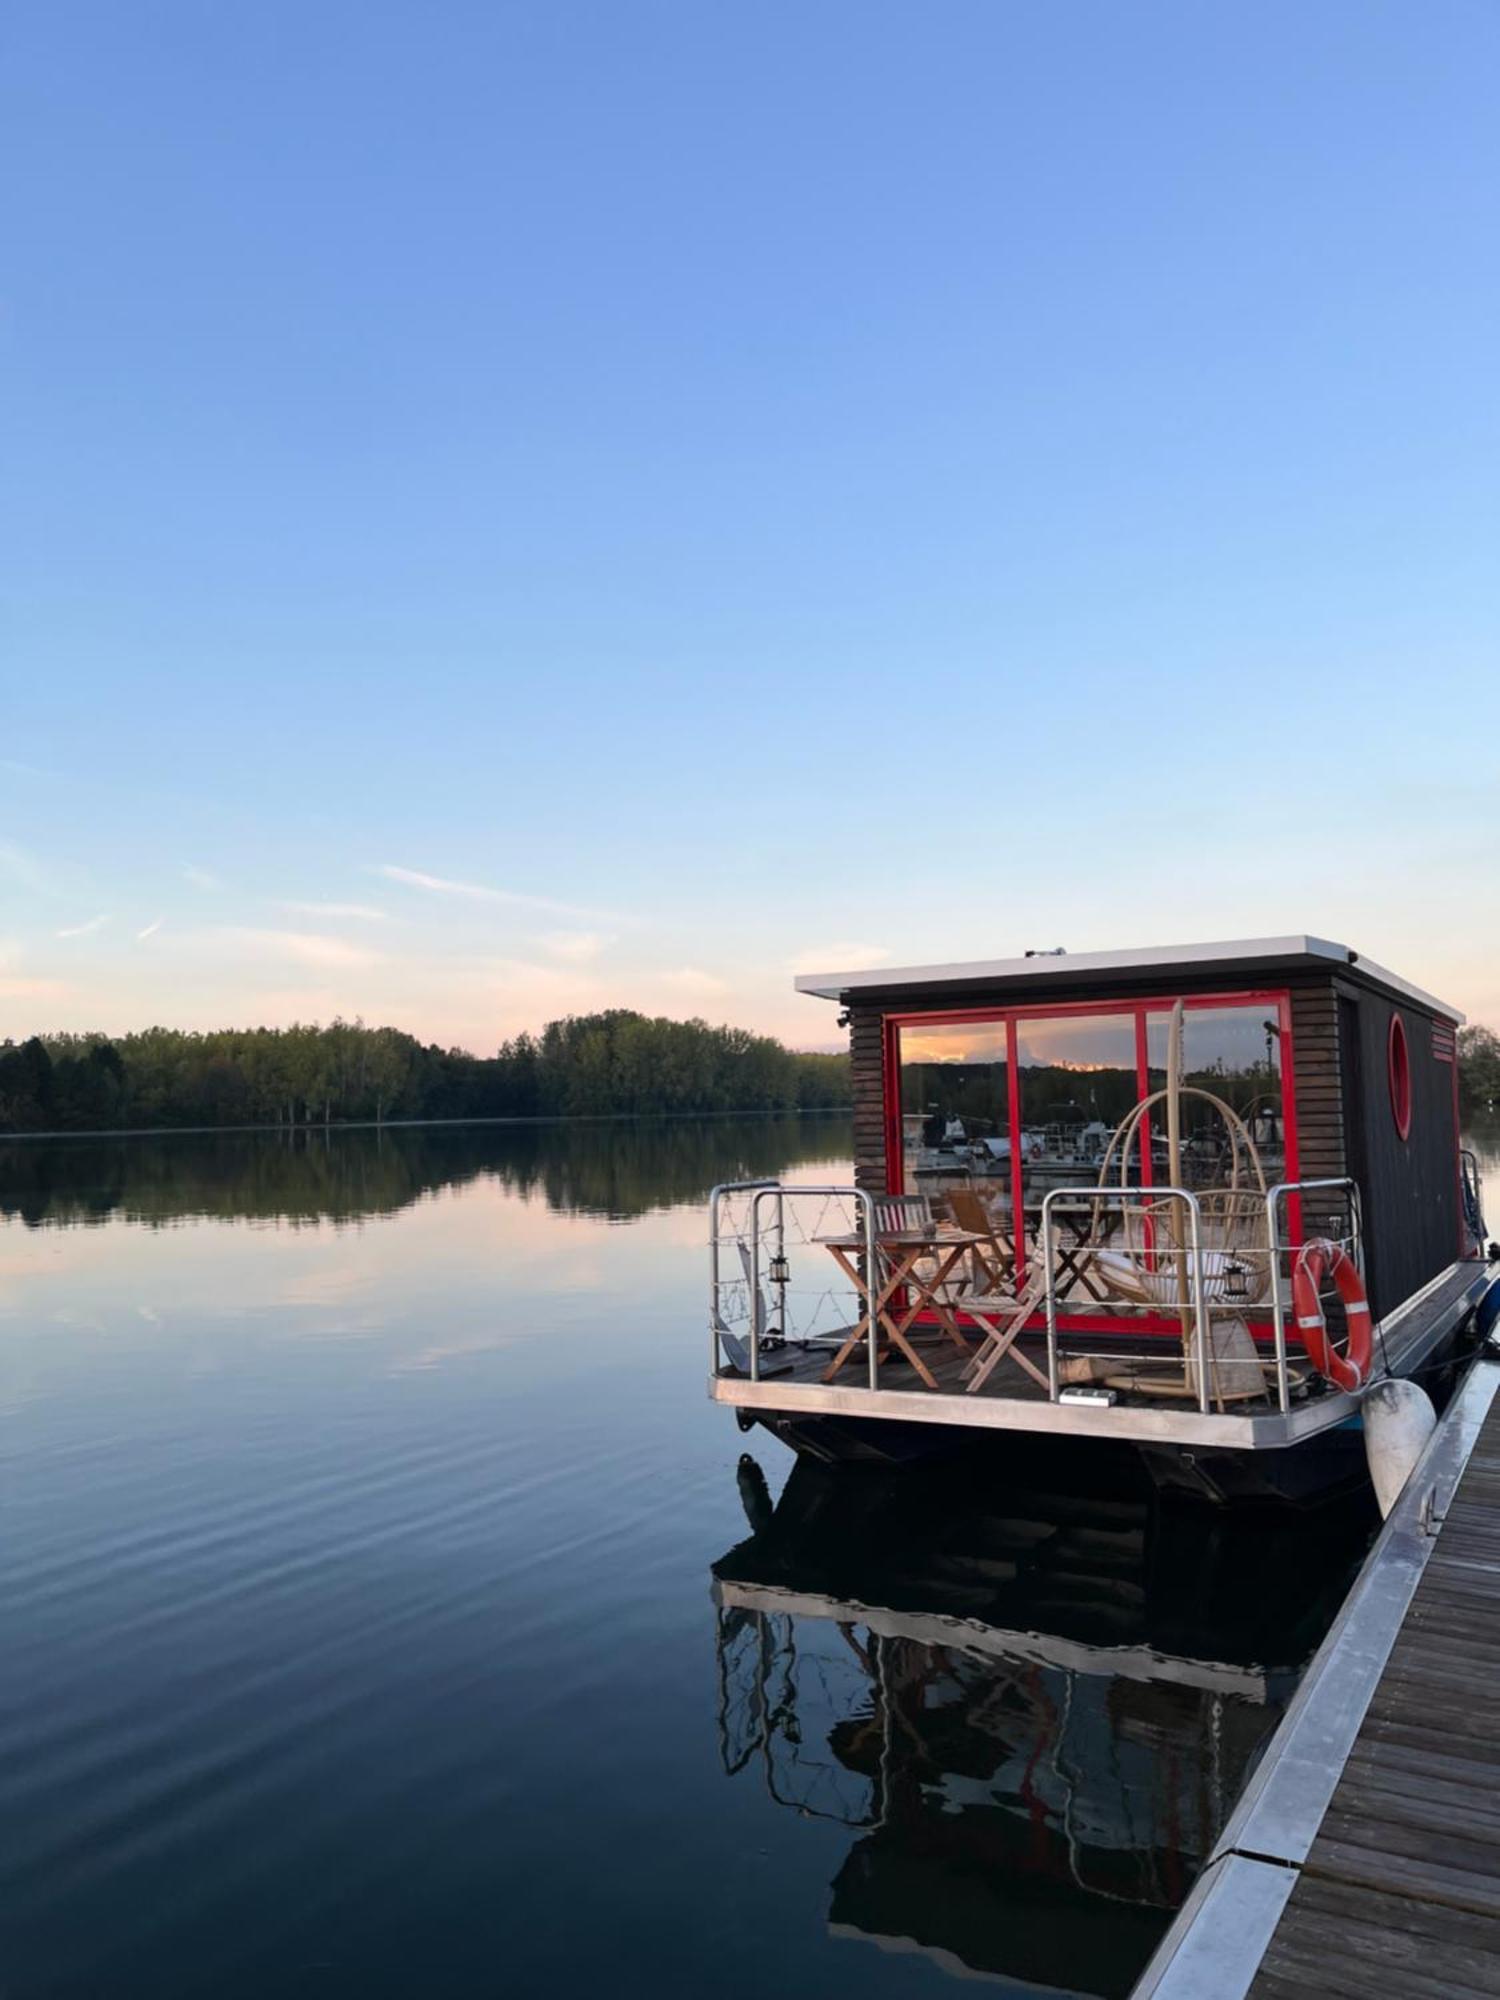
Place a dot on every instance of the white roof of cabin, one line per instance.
(1165, 958)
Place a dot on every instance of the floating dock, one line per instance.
(1364, 1856)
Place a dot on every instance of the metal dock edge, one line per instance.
(1219, 1938)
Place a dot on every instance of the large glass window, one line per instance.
(955, 1105)
(1234, 1053)
(1076, 1081)
(1061, 1086)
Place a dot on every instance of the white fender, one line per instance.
(1399, 1419)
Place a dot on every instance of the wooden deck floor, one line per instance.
(940, 1355)
(1400, 1891)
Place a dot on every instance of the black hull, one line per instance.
(1322, 1468)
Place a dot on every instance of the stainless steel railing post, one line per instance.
(755, 1286)
(780, 1264)
(713, 1280)
(1054, 1384)
(1200, 1304)
(1278, 1306)
(715, 1200)
(872, 1281)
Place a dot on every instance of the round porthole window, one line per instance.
(1398, 1062)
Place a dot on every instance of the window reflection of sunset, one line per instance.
(965, 1042)
(1081, 1042)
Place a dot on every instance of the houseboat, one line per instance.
(1198, 1199)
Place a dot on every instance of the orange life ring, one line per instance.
(1316, 1262)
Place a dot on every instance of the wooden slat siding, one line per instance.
(867, 1070)
(1316, 1082)
(1400, 1892)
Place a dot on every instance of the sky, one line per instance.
(513, 508)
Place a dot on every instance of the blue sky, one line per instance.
(508, 508)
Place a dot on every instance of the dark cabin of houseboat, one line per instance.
(1195, 1199)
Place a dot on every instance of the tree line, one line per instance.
(308, 1174)
(594, 1064)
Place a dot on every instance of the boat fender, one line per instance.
(1399, 1419)
(1318, 1261)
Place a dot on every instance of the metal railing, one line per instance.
(1080, 1197)
(1189, 1258)
(1471, 1195)
(773, 1190)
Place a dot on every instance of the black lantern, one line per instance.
(780, 1271)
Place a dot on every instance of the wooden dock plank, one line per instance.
(1356, 1959)
(1400, 1891)
(1405, 1915)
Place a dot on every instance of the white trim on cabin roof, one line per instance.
(1049, 965)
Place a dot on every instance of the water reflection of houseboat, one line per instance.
(1205, 1195)
(1033, 1708)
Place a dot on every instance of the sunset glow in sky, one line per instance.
(517, 508)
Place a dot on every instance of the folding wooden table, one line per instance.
(899, 1256)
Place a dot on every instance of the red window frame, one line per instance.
(1271, 998)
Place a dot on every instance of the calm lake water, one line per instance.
(386, 1609)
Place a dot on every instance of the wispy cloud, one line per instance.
(84, 930)
(838, 958)
(298, 947)
(574, 947)
(149, 931)
(479, 892)
(359, 912)
(200, 877)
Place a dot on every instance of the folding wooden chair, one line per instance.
(1002, 1315)
(992, 1258)
(902, 1214)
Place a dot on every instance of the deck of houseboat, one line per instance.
(1011, 1400)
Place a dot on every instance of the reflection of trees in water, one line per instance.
(624, 1169)
(619, 1168)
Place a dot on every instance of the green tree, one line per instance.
(1478, 1070)
(611, 1062)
